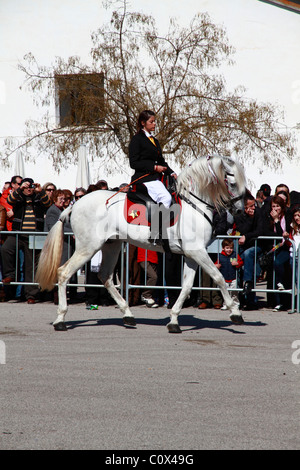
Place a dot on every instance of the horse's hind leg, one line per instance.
(189, 271)
(64, 273)
(110, 253)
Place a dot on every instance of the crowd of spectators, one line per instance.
(26, 206)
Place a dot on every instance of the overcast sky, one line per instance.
(266, 38)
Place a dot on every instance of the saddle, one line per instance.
(141, 209)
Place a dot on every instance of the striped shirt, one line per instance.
(29, 223)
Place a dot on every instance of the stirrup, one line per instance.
(156, 240)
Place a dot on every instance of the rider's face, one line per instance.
(150, 124)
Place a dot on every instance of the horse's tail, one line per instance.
(50, 257)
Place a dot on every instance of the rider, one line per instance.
(145, 157)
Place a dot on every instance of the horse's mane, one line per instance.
(206, 177)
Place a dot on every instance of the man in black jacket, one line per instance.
(29, 203)
(249, 226)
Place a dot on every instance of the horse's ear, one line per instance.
(227, 163)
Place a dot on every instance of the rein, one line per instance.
(127, 186)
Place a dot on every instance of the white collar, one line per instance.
(148, 134)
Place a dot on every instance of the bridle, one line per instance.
(228, 205)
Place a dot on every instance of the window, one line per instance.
(80, 99)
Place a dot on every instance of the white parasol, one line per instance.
(83, 170)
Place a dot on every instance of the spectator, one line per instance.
(294, 199)
(79, 193)
(68, 197)
(228, 264)
(91, 188)
(249, 226)
(283, 187)
(148, 262)
(49, 189)
(52, 216)
(265, 191)
(259, 198)
(29, 203)
(101, 184)
(3, 218)
(14, 184)
(124, 187)
(53, 213)
(294, 234)
(277, 224)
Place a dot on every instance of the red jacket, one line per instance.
(3, 202)
(151, 256)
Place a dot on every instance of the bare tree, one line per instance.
(135, 68)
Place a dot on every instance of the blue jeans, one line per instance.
(280, 259)
(248, 256)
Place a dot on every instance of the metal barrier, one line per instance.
(36, 241)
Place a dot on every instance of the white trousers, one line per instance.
(159, 192)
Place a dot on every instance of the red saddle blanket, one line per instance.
(137, 213)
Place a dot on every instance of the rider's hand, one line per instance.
(160, 168)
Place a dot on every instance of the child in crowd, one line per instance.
(228, 263)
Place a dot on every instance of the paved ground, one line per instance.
(102, 386)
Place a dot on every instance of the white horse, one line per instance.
(98, 222)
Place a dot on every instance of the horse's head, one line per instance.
(234, 179)
(220, 181)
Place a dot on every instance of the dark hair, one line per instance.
(280, 201)
(81, 190)
(68, 194)
(13, 179)
(143, 117)
(284, 193)
(266, 189)
(296, 208)
(280, 185)
(227, 242)
(101, 184)
(91, 188)
(248, 197)
(293, 223)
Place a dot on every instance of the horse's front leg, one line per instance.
(207, 264)
(189, 271)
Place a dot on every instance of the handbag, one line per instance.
(266, 260)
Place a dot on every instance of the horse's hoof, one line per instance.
(237, 319)
(129, 321)
(61, 326)
(173, 328)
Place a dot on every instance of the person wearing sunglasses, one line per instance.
(49, 188)
(79, 193)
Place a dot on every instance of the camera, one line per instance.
(32, 185)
